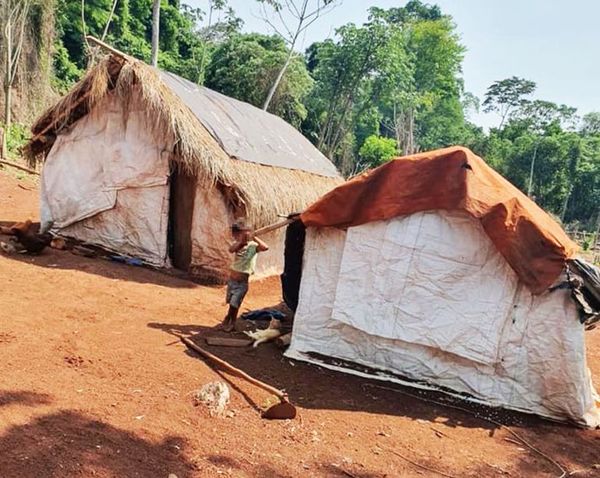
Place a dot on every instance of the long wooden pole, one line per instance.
(18, 166)
(236, 371)
(273, 227)
(107, 47)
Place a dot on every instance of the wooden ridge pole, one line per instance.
(109, 48)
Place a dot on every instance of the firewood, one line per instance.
(228, 341)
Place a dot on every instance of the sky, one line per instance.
(551, 42)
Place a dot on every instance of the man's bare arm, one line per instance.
(236, 246)
(262, 245)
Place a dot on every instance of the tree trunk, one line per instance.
(279, 77)
(530, 183)
(7, 103)
(7, 76)
(563, 211)
(155, 31)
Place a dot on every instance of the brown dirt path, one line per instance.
(94, 383)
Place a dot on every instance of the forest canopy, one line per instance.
(385, 88)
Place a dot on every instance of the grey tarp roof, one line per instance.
(248, 133)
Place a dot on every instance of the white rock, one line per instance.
(215, 395)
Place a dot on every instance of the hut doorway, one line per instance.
(181, 213)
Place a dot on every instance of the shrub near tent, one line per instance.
(147, 164)
(435, 271)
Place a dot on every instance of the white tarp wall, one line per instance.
(429, 298)
(211, 236)
(105, 182)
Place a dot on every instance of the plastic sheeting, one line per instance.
(211, 229)
(136, 226)
(395, 296)
(109, 161)
(248, 133)
(453, 179)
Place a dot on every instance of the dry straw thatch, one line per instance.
(256, 191)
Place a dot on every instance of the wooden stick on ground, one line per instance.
(18, 166)
(228, 341)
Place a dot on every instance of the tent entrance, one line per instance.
(181, 213)
(295, 237)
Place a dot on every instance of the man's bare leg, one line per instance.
(228, 323)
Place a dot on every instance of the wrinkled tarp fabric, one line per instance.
(416, 314)
(248, 133)
(449, 179)
(105, 182)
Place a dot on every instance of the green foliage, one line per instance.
(66, 72)
(397, 75)
(16, 136)
(390, 86)
(505, 96)
(591, 124)
(245, 66)
(183, 50)
(588, 241)
(377, 150)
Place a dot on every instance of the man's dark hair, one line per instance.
(237, 227)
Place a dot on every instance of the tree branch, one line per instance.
(112, 12)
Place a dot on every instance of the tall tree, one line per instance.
(244, 67)
(304, 14)
(215, 31)
(345, 71)
(506, 96)
(14, 15)
(590, 124)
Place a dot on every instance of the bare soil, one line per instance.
(95, 383)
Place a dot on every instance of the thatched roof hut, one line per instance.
(127, 129)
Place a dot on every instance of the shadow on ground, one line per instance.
(23, 397)
(68, 443)
(65, 260)
(312, 387)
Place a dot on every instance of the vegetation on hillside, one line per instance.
(390, 86)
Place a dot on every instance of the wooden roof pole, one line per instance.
(108, 48)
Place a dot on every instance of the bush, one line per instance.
(588, 241)
(16, 136)
(377, 150)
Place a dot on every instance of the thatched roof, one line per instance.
(259, 191)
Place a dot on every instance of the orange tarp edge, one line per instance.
(534, 245)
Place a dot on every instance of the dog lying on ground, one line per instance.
(265, 335)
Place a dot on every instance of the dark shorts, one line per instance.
(236, 291)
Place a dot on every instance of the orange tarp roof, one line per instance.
(534, 245)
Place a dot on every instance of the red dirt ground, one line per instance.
(96, 384)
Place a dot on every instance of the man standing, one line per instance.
(245, 249)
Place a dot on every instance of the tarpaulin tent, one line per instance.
(435, 271)
(150, 165)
